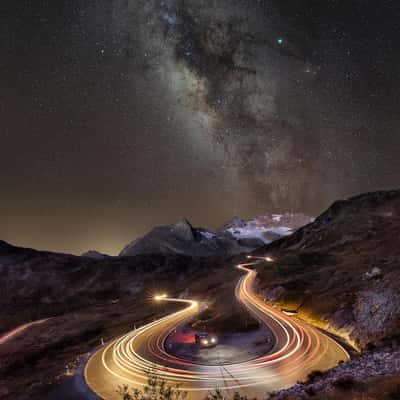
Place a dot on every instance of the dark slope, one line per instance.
(38, 284)
(343, 270)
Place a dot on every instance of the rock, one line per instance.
(275, 293)
(342, 318)
(377, 315)
(374, 273)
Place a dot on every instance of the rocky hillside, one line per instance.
(39, 284)
(342, 271)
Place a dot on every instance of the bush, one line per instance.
(218, 395)
(156, 389)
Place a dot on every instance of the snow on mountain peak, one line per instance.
(267, 227)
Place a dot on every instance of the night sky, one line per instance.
(120, 115)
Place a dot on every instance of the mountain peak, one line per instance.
(94, 254)
(184, 229)
(4, 246)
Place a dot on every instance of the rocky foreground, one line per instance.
(373, 375)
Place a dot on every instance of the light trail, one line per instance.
(265, 258)
(298, 350)
(19, 330)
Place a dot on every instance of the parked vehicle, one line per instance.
(206, 339)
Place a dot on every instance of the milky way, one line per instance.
(121, 115)
(280, 90)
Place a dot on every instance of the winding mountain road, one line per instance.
(298, 350)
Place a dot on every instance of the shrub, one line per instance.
(156, 389)
(218, 395)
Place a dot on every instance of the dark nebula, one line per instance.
(120, 115)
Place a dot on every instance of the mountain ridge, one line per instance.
(235, 237)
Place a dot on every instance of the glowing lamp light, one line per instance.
(160, 297)
(269, 259)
